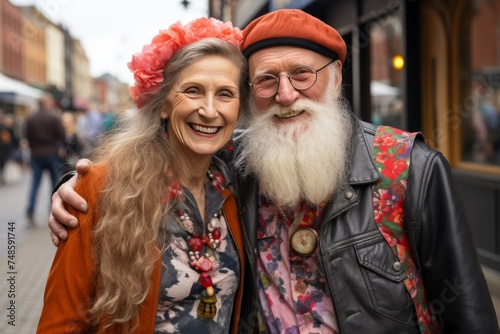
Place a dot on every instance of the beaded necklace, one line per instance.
(202, 249)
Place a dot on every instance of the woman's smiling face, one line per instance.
(202, 108)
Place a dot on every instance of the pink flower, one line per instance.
(133, 92)
(176, 33)
(147, 66)
(148, 79)
(202, 28)
(229, 34)
(165, 50)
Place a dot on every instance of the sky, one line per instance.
(111, 31)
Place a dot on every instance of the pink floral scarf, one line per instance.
(392, 150)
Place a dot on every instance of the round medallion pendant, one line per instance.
(304, 241)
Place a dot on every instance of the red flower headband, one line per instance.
(148, 65)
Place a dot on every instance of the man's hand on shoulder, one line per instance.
(60, 219)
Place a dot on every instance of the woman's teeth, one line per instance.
(205, 129)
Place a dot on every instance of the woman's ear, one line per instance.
(165, 108)
(164, 113)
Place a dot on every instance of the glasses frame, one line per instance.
(278, 77)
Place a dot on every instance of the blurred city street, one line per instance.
(23, 278)
(22, 285)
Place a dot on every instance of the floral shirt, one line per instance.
(291, 288)
(180, 288)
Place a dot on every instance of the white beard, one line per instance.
(296, 163)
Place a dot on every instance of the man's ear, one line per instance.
(338, 74)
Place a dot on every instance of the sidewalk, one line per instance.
(33, 258)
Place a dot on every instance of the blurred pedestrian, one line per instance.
(93, 125)
(109, 118)
(5, 145)
(45, 135)
(76, 147)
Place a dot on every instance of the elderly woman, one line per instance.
(160, 247)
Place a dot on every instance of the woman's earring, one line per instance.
(164, 122)
(229, 145)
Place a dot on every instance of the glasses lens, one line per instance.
(265, 85)
(303, 77)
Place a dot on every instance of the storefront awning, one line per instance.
(378, 88)
(17, 92)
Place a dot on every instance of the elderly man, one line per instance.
(328, 251)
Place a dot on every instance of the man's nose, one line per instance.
(286, 94)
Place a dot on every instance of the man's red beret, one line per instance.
(295, 28)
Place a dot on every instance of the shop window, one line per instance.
(481, 134)
(386, 71)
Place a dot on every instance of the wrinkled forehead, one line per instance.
(282, 58)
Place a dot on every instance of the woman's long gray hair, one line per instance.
(132, 204)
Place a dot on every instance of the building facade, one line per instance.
(12, 41)
(56, 71)
(34, 55)
(38, 55)
(81, 79)
(431, 66)
(111, 94)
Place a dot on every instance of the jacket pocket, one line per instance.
(384, 278)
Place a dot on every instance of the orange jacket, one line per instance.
(70, 286)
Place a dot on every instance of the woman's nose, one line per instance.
(209, 109)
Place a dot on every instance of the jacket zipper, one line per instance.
(322, 266)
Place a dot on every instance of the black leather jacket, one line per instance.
(366, 288)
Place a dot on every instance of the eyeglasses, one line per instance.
(301, 77)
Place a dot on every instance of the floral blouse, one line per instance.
(180, 288)
(291, 289)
